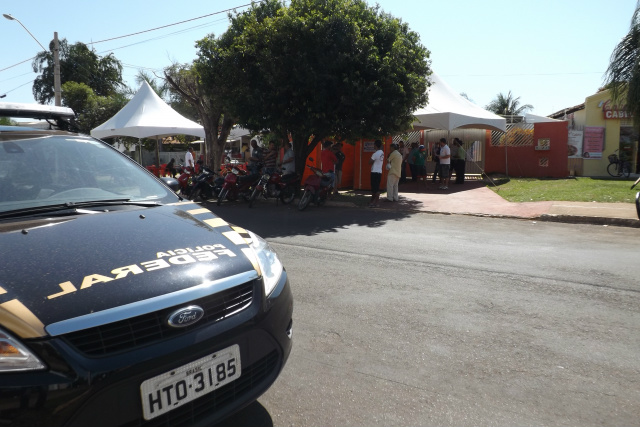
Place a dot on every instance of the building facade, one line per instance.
(597, 129)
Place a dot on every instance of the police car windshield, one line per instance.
(44, 169)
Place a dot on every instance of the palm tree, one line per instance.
(623, 74)
(508, 105)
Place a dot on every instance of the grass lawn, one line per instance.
(573, 189)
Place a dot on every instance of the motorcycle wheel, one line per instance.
(222, 196)
(305, 200)
(321, 201)
(638, 204)
(254, 195)
(195, 194)
(287, 194)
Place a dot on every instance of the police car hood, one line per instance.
(59, 269)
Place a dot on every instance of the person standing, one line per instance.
(188, 160)
(270, 159)
(459, 161)
(412, 166)
(337, 150)
(171, 168)
(404, 151)
(445, 162)
(256, 159)
(394, 163)
(419, 165)
(329, 161)
(436, 159)
(376, 161)
(288, 160)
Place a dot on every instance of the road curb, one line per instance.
(575, 219)
(569, 219)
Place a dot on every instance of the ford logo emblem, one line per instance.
(185, 316)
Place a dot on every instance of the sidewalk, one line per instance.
(474, 198)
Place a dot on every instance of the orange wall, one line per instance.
(526, 161)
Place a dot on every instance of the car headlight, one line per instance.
(270, 265)
(14, 356)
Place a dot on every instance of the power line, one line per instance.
(170, 25)
(146, 31)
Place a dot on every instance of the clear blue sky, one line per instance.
(550, 53)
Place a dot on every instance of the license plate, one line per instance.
(173, 389)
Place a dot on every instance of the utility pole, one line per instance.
(56, 59)
(56, 71)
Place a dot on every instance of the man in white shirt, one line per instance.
(445, 163)
(376, 162)
(188, 160)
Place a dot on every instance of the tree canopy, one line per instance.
(623, 74)
(317, 69)
(91, 110)
(78, 64)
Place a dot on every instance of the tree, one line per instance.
(508, 105)
(318, 69)
(623, 74)
(78, 64)
(91, 110)
(185, 81)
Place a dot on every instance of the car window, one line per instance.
(39, 170)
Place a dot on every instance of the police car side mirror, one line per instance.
(172, 183)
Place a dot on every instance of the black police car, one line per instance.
(120, 303)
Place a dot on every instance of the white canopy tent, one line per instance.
(145, 116)
(447, 110)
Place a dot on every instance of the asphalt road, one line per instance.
(444, 320)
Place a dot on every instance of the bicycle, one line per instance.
(637, 197)
(617, 167)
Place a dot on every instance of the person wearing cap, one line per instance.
(419, 158)
(445, 162)
(394, 165)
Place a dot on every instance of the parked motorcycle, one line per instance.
(276, 185)
(206, 185)
(185, 180)
(237, 183)
(317, 188)
(637, 197)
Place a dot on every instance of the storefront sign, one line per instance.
(575, 144)
(612, 111)
(593, 142)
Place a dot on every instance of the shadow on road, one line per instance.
(254, 415)
(269, 219)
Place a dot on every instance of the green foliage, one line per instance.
(575, 190)
(317, 68)
(91, 110)
(6, 121)
(623, 74)
(78, 64)
(507, 105)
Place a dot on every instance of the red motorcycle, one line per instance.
(276, 186)
(317, 188)
(237, 183)
(185, 179)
